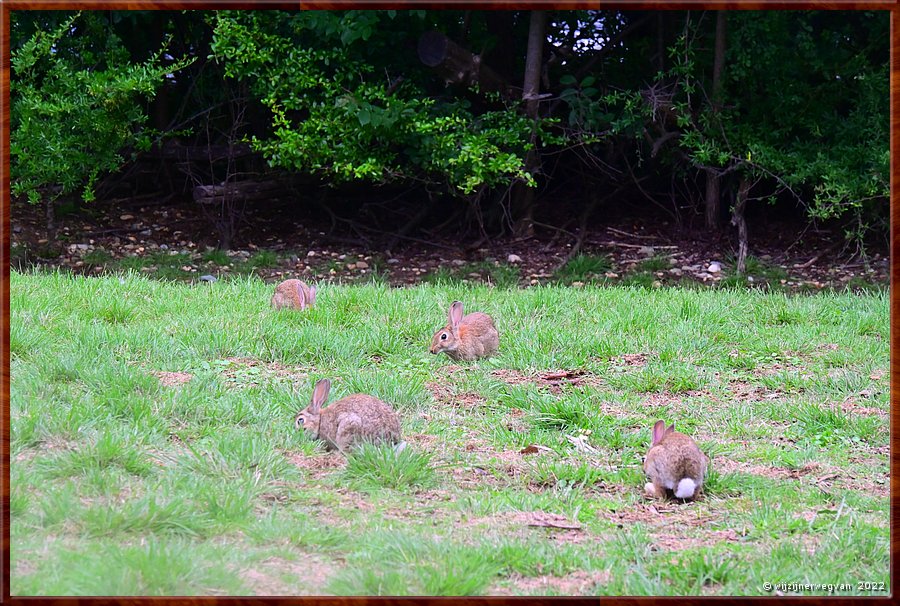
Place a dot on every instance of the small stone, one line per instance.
(765, 257)
(514, 259)
(646, 250)
(611, 274)
(17, 229)
(311, 253)
(673, 261)
(351, 265)
(714, 267)
(126, 217)
(675, 271)
(577, 284)
(474, 274)
(393, 261)
(458, 262)
(164, 247)
(294, 259)
(362, 265)
(750, 279)
(657, 284)
(207, 278)
(145, 232)
(342, 257)
(533, 282)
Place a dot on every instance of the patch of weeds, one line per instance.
(381, 466)
(147, 515)
(442, 276)
(116, 311)
(639, 279)
(499, 274)
(563, 413)
(655, 263)
(97, 257)
(162, 264)
(263, 259)
(859, 285)
(583, 268)
(23, 338)
(217, 256)
(693, 572)
(563, 476)
(408, 565)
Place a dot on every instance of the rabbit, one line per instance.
(674, 463)
(294, 294)
(349, 421)
(466, 338)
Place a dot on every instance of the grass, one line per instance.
(153, 449)
(583, 268)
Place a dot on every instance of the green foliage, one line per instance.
(77, 107)
(809, 115)
(334, 112)
(378, 466)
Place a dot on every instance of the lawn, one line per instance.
(153, 448)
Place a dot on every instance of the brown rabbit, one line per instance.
(466, 338)
(673, 463)
(349, 421)
(294, 294)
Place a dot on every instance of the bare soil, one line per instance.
(807, 258)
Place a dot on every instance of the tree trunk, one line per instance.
(713, 200)
(523, 196)
(713, 187)
(738, 220)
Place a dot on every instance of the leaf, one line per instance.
(568, 80)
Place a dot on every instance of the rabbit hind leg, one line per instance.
(347, 433)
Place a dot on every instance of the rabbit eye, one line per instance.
(299, 420)
(443, 336)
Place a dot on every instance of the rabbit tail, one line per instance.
(685, 489)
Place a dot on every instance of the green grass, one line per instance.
(583, 268)
(153, 449)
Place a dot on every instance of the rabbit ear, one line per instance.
(320, 394)
(312, 294)
(302, 296)
(659, 430)
(456, 313)
(670, 429)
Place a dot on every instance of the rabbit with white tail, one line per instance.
(466, 337)
(349, 421)
(294, 294)
(674, 463)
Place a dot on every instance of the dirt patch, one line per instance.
(851, 406)
(266, 579)
(250, 372)
(631, 360)
(552, 380)
(172, 379)
(444, 394)
(694, 539)
(576, 583)
(747, 392)
(824, 476)
(317, 465)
